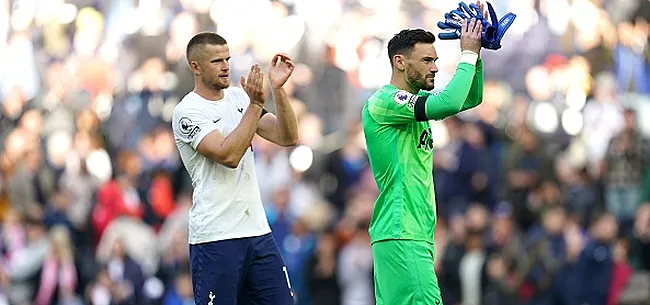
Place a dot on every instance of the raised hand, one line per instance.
(470, 37)
(496, 28)
(254, 85)
(281, 69)
(493, 28)
(481, 8)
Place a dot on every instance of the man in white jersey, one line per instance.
(233, 256)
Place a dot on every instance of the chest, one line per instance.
(420, 137)
(226, 115)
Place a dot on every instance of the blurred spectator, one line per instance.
(625, 162)
(322, 275)
(58, 277)
(181, 293)
(343, 169)
(622, 272)
(526, 168)
(639, 252)
(355, 268)
(498, 288)
(120, 196)
(449, 270)
(595, 266)
(546, 254)
(472, 269)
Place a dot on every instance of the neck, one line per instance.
(398, 80)
(207, 93)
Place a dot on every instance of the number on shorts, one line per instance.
(286, 276)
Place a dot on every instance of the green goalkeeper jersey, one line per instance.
(400, 151)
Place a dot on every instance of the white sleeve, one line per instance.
(192, 125)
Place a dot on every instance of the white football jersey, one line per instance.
(226, 202)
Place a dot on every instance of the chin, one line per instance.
(221, 86)
(431, 85)
(427, 87)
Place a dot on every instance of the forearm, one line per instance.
(239, 140)
(451, 100)
(287, 125)
(475, 96)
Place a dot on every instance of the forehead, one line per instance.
(424, 50)
(213, 51)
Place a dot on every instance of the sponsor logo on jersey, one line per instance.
(412, 101)
(426, 140)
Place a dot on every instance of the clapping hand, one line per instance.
(254, 85)
(281, 69)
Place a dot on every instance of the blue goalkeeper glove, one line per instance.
(453, 21)
(492, 32)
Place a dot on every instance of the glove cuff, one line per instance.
(469, 57)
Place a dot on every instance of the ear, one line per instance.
(196, 69)
(399, 61)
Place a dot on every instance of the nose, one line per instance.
(433, 68)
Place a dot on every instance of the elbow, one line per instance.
(221, 155)
(289, 144)
(230, 165)
(230, 162)
(289, 141)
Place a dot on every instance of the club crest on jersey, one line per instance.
(402, 97)
(188, 128)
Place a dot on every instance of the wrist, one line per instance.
(257, 104)
(279, 90)
(468, 56)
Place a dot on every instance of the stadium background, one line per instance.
(94, 198)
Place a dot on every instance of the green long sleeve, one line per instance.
(451, 100)
(475, 96)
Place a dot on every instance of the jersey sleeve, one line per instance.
(450, 101)
(191, 125)
(475, 95)
(396, 107)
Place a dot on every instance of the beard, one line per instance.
(214, 83)
(417, 79)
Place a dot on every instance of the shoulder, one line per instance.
(390, 94)
(390, 97)
(236, 90)
(187, 114)
(188, 104)
(236, 93)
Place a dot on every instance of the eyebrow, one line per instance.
(430, 58)
(220, 59)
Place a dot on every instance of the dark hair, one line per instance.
(201, 39)
(404, 41)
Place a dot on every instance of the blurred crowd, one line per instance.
(543, 192)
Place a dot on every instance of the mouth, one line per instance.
(224, 76)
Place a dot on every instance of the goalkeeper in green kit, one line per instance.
(400, 149)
